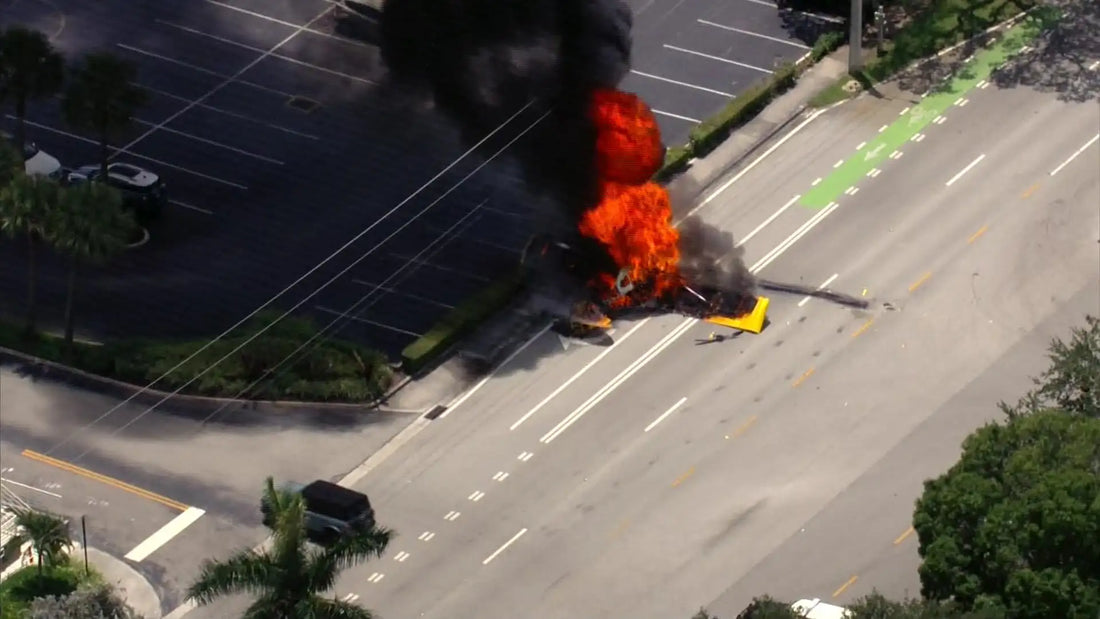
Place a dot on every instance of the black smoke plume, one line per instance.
(480, 61)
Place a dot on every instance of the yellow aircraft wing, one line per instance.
(753, 322)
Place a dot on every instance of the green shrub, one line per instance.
(743, 108)
(460, 322)
(827, 44)
(19, 589)
(324, 370)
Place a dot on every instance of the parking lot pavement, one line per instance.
(691, 58)
(278, 150)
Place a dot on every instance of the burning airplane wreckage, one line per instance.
(592, 157)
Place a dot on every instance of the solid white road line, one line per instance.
(769, 220)
(472, 390)
(386, 451)
(825, 283)
(753, 34)
(965, 170)
(588, 366)
(502, 548)
(1075, 154)
(676, 116)
(622, 377)
(726, 185)
(164, 534)
(718, 58)
(684, 84)
(15, 483)
(670, 410)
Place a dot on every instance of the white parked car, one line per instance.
(816, 609)
(141, 190)
(37, 162)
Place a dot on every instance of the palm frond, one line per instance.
(247, 571)
(322, 608)
(348, 551)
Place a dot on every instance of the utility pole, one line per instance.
(855, 37)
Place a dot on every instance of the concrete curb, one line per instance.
(189, 403)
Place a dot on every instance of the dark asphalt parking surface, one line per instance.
(261, 191)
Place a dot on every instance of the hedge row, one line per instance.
(704, 138)
(325, 370)
(461, 321)
(707, 135)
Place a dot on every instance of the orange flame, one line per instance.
(633, 219)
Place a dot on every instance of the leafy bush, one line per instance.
(89, 601)
(460, 322)
(827, 44)
(743, 108)
(18, 590)
(324, 370)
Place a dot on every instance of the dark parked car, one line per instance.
(143, 191)
(332, 511)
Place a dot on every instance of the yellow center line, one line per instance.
(743, 428)
(110, 481)
(681, 479)
(920, 282)
(976, 235)
(901, 538)
(804, 376)
(851, 581)
(1030, 190)
(863, 328)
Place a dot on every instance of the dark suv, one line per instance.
(144, 192)
(332, 511)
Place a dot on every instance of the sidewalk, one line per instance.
(135, 588)
(498, 338)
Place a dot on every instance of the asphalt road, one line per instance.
(262, 191)
(131, 482)
(544, 493)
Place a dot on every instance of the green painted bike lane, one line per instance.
(919, 116)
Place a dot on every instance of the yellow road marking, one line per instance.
(110, 481)
(743, 428)
(681, 479)
(851, 581)
(1030, 190)
(920, 282)
(867, 325)
(901, 538)
(977, 235)
(804, 376)
(619, 530)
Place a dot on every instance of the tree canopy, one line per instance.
(1072, 383)
(1015, 524)
(93, 601)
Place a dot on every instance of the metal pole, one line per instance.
(855, 37)
(84, 537)
(880, 24)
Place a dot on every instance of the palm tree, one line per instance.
(11, 163)
(48, 534)
(26, 207)
(102, 99)
(30, 68)
(89, 226)
(288, 579)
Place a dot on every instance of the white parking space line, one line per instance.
(718, 58)
(389, 290)
(677, 116)
(133, 154)
(28, 487)
(753, 34)
(196, 138)
(504, 547)
(1074, 155)
(191, 207)
(193, 67)
(164, 534)
(228, 113)
(262, 50)
(684, 84)
(440, 267)
(668, 412)
(327, 310)
(274, 20)
(763, 3)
